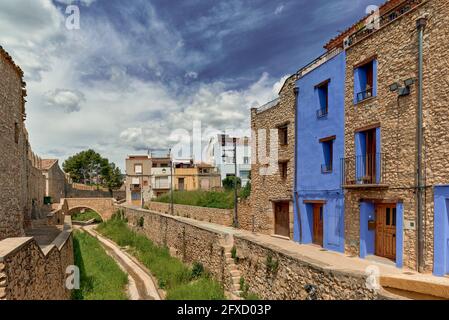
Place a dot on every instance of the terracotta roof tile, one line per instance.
(48, 163)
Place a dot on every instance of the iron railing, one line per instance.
(321, 113)
(388, 16)
(363, 170)
(364, 94)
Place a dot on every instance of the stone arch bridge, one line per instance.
(103, 206)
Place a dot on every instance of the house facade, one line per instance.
(161, 173)
(55, 180)
(272, 171)
(138, 179)
(220, 154)
(189, 176)
(320, 136)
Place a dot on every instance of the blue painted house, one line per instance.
(320, 138)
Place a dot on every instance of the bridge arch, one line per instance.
(103, 206)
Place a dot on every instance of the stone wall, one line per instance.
(396, 49)
(28, 273)
(185, 239)
(270, 188)
(287, 276)
(13, 156)
(103, 206)
(191, 241)
(218, 216)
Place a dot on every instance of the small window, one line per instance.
(245, 160)
(283, 169)
(138, 169)
(283, 135)
(323, 99)
(145, 183)
(328, 154)
(364, 83)
(16, 132)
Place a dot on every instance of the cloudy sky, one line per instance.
(138, 73)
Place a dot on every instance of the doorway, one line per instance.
(181, 184)
(386, 220)
(282, 218)
(318, 224)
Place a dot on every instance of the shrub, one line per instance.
(197, 270)
(246, 191)
(208, 199)
(141, 222)
(272, 264)
(230, 182)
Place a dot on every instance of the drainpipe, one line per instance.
(295, 191)
(421, 24)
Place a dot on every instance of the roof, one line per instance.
(338, 40)
(46, 164)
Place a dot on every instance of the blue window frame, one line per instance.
(322, 90)
(328, 154)
(365, 81)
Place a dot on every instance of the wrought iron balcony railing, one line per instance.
(363, 170)
(364, 95)
(321, 113)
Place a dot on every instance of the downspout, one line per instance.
(421, 24)
(295, 191)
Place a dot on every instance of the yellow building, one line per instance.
(191, 177)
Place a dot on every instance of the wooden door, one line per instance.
(371, 156)
(282, 219)
(386, 231)
(318, 224)
(181, 184)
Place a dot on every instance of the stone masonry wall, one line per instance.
(186, 240)
(13, 153)
(191, 241)
(287, 276)
(28, 273)
(396, 48)
(213, 215)
(267, 189)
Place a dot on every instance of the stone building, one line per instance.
(138, 179)
(269, 209)
(14, 207)
(381, 166)
(55, 180)
(160, 175)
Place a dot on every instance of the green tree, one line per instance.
(113, 178)
(90, 167)
(229, 182)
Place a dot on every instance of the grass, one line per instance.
(208, 199)
(100, 276)
(86, 216)
(180, 281)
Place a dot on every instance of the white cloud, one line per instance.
(113, 111)
(84, 2)
(67, 100)
(279, 9)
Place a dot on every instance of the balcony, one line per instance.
(161, 185)
(364, 171)
(322, 113)
(364, 95)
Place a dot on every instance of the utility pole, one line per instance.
(171, 183)
(420, 24)
(236, 220)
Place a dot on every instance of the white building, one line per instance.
(220, 153)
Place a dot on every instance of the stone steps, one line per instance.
(234, 272)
